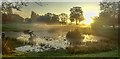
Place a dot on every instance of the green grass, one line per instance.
(62, 53)
(113, 53)
(15, 27)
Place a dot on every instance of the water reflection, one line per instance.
(48, 40)
(90, 38)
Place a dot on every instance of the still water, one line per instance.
(56, 40)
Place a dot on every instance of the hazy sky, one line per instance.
(89, 8)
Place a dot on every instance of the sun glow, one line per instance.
(88, 18)
(88, 21)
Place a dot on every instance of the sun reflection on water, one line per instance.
(89, 38)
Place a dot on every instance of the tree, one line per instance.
(109, 13)
(97, 23)
(34, 16)
(63, 18)
(7, 8)
(119, 12)
(76, 14)
(49, 15)
(49, 18)
(55, 19)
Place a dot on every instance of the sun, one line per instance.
(88, 22)
(88, 18)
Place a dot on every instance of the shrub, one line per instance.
(74, 37)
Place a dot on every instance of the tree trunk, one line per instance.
(76, 22)
(119, 12)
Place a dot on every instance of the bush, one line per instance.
(74, 37)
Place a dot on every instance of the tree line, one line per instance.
(108, 16)
(76, 14)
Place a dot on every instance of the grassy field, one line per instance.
(15, 27)
(66, 54)
(61, 53)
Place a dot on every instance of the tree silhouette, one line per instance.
(76, 14)
(109, 13)
(119, 12)
(48, 18)
(63, 18)
(7, 10)
(7, 13)
(8, 6)
(55, 19)
(34, 16)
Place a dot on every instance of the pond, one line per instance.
(45, 41)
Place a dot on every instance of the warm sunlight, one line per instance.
(88, 18)
(60, 29)
(88, 21)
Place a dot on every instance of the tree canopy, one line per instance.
(109, 13)
(76, 14)
(63, 18)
